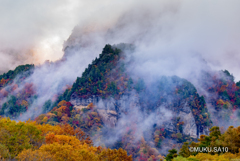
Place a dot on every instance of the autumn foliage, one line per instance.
(29, 141)
(229, 139)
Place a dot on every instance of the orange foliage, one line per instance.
(62, 103)
(91, 106)
(24, 103)
(220, 102)
(3, 82)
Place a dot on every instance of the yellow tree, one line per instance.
(37, 155)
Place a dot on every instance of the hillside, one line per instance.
(119, 110)
(223, 98)
(106, 95)
(15, 100)
(31, 141)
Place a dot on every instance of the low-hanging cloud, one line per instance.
(171, 37)
(34, 31)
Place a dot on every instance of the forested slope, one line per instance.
(118, 110)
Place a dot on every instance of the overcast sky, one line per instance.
(35, 31)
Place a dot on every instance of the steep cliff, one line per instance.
(110, 111)
(162, 111)
(189, 112)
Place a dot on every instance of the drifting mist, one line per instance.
(182, 38)
(175, 33)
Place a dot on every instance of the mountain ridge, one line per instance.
(116, 109)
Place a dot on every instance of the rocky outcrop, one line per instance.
(110, 110)
(109, 117)
(82, 101)
(189, 126)
(79, 107)
(105, 108)
(170, 127)
(185, 115)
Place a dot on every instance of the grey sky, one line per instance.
(35, 31)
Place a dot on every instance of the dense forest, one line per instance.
(108, 96)
(18, 99)
(29, 141)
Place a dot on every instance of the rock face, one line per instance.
(109, 117)
(189, 126)
(105, 108)
(170, 127)
(84, 102)
(110, 110)
(80, 107)
(185, 114)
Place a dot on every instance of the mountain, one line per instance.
(118, 108)
(106, 96)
